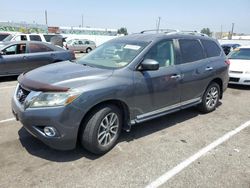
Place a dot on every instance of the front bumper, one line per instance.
(241, 79)
(66, 120)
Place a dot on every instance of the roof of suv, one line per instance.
(151, 37)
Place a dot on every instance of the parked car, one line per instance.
(3, 36)
(239, 70)
(80, 45)
(227, 48)
(30, 37)
(22, 56)
(125, 81)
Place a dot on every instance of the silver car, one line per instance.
(81, 45)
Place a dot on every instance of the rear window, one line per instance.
(240, 53)
(35, 38)
(191, 50)
(48, 37)
(34, 48)
(211, 48)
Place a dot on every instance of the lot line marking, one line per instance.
(6, 120)
(171, 173)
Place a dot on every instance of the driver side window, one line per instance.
(163, 53)
(15, 49)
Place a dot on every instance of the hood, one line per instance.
(62, 76)
(239, 65)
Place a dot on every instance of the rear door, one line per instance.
(195, 69)
(39, 55)
(158, 91)
(13, 59)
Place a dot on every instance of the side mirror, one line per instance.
(148, 65)
(2, 53)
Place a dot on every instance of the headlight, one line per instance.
(54, 99)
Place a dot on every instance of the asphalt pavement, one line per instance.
(149, 151)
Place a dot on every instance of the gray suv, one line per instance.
(123, 82)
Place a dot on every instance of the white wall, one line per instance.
(241, 42)
(98, 39)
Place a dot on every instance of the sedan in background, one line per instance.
(22, 56)
(80, 45)
(227, 48)
(239, 70)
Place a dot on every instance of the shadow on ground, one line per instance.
(8, 78)
(241, 87)
(37, 148)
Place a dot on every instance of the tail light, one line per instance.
(227, 62)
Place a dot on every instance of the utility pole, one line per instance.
(82, 20)
(46, 18)
(158, 24)
(232, 32)
(221, 35)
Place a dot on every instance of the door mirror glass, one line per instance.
(149, 65)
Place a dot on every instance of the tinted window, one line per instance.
(48, 37)
(191, 50)
(211, 48)
(3, 36)
(35, 38)
(39, 48)
(163, 52)
(241, 53)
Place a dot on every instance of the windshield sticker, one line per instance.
(132, 47)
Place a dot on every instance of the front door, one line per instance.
(157, 91)
(13, 59)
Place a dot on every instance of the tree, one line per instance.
(206, 31)
(122, 30)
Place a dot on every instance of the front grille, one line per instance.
(236, 72)
(231, 79)
(22, 94)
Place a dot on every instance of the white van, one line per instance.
(29, 37)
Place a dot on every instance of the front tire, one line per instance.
(210, 98)
(102, 129)
(88, 50)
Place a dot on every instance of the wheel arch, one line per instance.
(118, 103)
(220, 83)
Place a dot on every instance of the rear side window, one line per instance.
(48, 37)
(35, 38)
(34, 48)
(191, 50)
(211, 48)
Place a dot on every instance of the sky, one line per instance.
(135, 15)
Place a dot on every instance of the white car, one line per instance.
(239, 70)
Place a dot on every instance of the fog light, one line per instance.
(49, 131)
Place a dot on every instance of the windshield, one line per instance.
(240, 53)
(115, 54)
(8, 38)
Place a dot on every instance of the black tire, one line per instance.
(94, 127)
(210, 98)
(88, 50)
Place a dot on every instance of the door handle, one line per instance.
(24, 57)
(175, 76)
(209, 68)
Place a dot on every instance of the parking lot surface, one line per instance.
(141, 156)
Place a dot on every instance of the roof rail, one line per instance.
(190, 33)
(160, 30)
(174, 31)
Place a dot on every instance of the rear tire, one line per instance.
(210, 98)
(102, 129)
